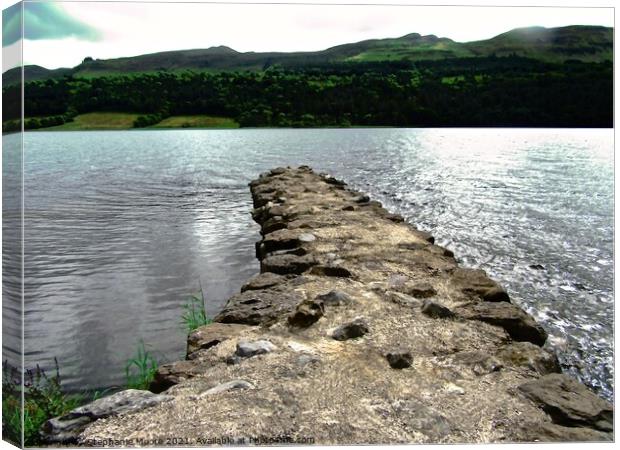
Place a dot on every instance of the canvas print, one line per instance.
(306, 224)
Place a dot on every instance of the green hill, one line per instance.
(579, 42)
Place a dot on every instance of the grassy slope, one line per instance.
(196, 122)
(124, 121)
(98, 121)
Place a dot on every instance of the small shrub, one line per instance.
(140, 370)
(195, 314)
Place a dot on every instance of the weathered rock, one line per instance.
(519, 325)
(247, 349)
(211, 335)
(258, 307)
(477, 283)
(481, 363)
(306, 238)
(569, 403)
(550, 432)
(528, 355)
(354, 329)
(335, 298)
(331, 270)
(422, 419)
(263, 281)
(234, 385)
(65, 429)
(307, 313)
(420, 289)
(171, 374)
(436, 310)
(288, 264)
(399, 359)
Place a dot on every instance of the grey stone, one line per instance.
(306, 237)
(233, 385)
(335, 298)
(354, 329)
(246, 349)
(569, 403)
(65, 429)
(257, 307)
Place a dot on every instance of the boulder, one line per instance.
(259, 307)
(211, 335)
(351, 330)
(263, 281)
(476, 283)
(569, 403)
(169, 375)
(436, 310)
(246, 349)
(519, 325)
(550, 432)
(526, 354)
(65, 429)
(307, 313)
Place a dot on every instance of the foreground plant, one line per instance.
(140, 370)
(43, 399)
(195, 314)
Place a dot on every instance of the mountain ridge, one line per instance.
(586, 43)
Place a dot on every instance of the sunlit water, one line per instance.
(120, 227)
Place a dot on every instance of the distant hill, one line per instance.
(578, 42)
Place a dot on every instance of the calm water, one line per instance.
(120, 227)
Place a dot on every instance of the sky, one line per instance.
(62, 34)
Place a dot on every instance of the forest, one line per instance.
(510, 91)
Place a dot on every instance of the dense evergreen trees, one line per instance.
(508, 91)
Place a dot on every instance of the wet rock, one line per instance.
(480, 363)
(519, 325)
(334, 181)
(211, 335)
(537, 266)
(331, 271)
(263, 281)
(528, 355)
(354, 329)
(288, 264)
(399, 359)
(362, 199)
(569, 403)
(397, 218)
(307, 313)
(259, 307)
(65, 429)
(335, 298)
(477, 283)
(436, 310)
(246, 349)
(234, 385)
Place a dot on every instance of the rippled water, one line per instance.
(121, 227)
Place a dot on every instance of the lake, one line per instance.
(121, 227)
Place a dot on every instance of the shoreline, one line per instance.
(362, 331)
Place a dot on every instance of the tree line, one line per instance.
(507, 91)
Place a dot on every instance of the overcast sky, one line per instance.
(61, 34)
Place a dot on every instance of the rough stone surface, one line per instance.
(436, 311)
(531, 356)
(463, 382)
(211, 335)
(66, 429)
(248, 349)
(351, 330)
(263, 281)
(233, 385)
(306, 313)
(335, 298)
(517, 323)
(569, 403)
